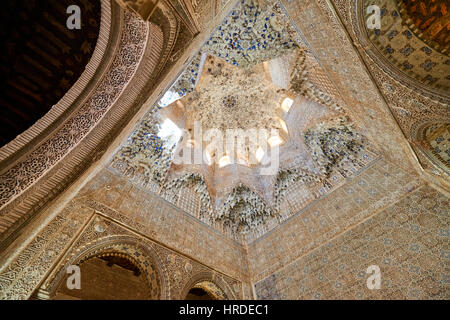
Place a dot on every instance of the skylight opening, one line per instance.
(208, 158)
(283, 125)
(170, 132)
(259, 154)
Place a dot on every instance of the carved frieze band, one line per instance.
(103, 52)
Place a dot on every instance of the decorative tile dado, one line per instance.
(253, 32)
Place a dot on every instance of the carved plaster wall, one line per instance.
(80, 232)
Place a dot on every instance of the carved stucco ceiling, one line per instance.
(400, 45)
(230, 97)
(227, 89)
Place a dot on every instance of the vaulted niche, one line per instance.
(109, 276)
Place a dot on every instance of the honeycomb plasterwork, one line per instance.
(187, 81)
(288, 177)
(243, 210)
(300, 83)
(254, 31)
(153, 159)
(248, 80)
(334, 143)
(341, 151)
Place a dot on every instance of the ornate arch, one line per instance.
(211, 288)
(145, 258)
(212, 278)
